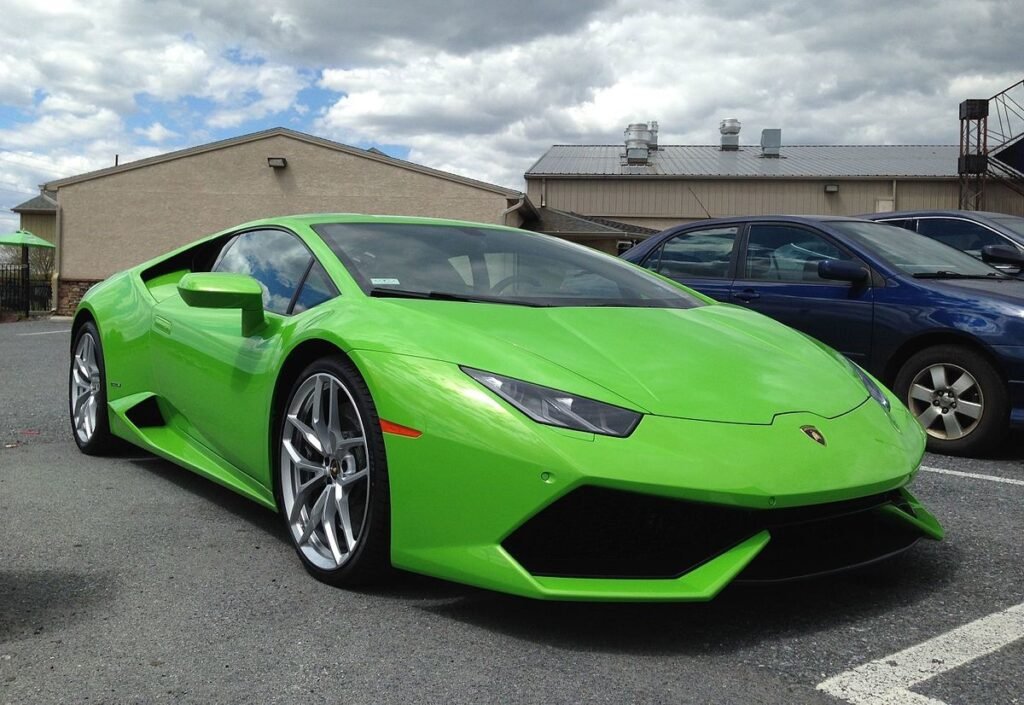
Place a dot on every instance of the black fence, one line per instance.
(12, 290)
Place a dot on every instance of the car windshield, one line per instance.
(1011, 223)
(914, 254)
(492, 265)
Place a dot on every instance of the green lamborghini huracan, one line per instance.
(496, 407)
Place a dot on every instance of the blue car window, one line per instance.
(315, 290)
(787, 253)
(274, 258)
(962, 234)
(698, 253)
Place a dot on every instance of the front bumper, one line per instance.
(482, 475)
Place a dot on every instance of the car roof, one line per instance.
(969, 215)
(805, 219)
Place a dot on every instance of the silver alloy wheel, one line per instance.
(325, 471)
(85, 387)
(947, 401)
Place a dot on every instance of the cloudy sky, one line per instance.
(482, 87)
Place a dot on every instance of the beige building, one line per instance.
(656, 186)
(107, 220)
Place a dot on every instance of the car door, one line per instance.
(700, 258)
(216, 379)
(777, 275)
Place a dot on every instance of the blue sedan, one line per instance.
(942, 329)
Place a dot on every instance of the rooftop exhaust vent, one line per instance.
(730, 129)
(641, 138)
(771, 142)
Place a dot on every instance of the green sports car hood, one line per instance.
(713, 363)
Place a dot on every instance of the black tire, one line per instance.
(100, 441)
(370, 561)
(986, 431)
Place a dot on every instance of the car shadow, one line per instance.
(42, 602)
(740, 617)
(256, 515)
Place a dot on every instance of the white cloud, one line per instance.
(251, 91)
(484, 89)
(156, 133)
(824, 76)
(59, 128)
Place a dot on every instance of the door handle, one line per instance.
(162, 325)
(746, 295)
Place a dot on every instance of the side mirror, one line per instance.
(223, 290)
(841, 270)
(1002, 254)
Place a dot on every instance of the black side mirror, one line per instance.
(1002, 254)
(841, 270)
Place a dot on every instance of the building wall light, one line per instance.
(277, 162)
(831, 188)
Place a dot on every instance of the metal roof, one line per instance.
(795, 161)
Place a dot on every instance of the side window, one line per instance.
(786, 253)
(905, 223)
(697, 253)
(316, 289)
(961, 234)
(274, 258)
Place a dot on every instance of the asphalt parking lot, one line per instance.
(128, 580)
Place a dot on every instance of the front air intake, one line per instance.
(595, 532)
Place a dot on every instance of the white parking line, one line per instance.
(973, 475)
(887, 681)
(45, 332)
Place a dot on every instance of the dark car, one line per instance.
(943, 330)
(968, 231)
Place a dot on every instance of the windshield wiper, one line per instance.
(388, 292)
(942, 274)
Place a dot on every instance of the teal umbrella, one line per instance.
(26, 240)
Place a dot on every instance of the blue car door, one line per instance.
(777, 275)
(700, 258)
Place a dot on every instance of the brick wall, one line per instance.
(70, 292)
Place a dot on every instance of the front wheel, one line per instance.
(333, 477)
(958, 398)
(87, 393)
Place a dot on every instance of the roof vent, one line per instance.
(771, 142)
(730, 129)
(641, 138)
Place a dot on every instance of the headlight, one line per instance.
(873, 389)
(554, 408)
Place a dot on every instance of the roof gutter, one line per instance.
(503, 217)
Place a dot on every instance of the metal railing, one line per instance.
(13, 290)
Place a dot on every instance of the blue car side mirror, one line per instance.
(841, 270)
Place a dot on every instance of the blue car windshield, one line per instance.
(911, 253)
(491, 265)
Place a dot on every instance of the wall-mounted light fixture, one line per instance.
(831, 188)
(277, 162)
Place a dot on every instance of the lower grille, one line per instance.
(594, 532)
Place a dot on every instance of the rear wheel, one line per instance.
(87, 393)
(333, 476)
(958, 398)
